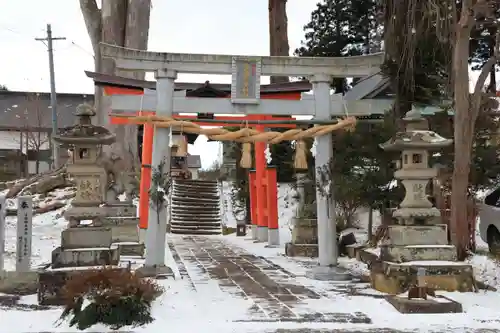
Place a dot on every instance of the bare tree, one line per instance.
(278, 33)
(123, 23)
(467, 107)
(34, 138)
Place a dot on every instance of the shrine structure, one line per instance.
(245, 99)
(133, 90)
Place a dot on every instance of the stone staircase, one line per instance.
(195, 208)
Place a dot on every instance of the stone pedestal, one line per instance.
(125, 235)
(304, 238)
(419, 243)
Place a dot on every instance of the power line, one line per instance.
(53, 97)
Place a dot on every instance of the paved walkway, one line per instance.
(271, 289)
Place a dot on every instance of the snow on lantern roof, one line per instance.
(416, 135)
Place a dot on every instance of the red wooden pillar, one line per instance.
(253, 201)
(147, 155)
(272, 207)
(261, 196)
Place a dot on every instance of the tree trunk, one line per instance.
(463, 135)
(370, 223)
(122, 23)
(278, 33)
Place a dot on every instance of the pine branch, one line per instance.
(161, 183)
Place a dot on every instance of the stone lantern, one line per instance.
(84, 247)
(415, 145)
(419, 240)
(86, 141)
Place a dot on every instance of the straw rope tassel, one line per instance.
(300, 160)
(246, 153)
(246, 156)
(182, 150)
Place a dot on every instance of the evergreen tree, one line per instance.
(339, 28)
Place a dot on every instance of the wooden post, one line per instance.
(2, 231)
(253, 202)
(272, 207)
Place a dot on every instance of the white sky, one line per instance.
(193, 26)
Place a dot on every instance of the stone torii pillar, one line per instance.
(327, 268)
(157, 224)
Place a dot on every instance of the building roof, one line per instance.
(368, 87)
(194, 161)
(21, 109)
(113, 80)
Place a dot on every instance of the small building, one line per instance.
(26, 124)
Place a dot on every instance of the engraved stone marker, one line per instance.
(24, 233)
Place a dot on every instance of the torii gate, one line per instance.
(264, 212)
(245, 99)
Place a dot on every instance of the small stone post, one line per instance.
(24, 233)
(2, 231)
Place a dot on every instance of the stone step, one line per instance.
(195, 226)
(189, 187)
(400, 254)
(202, 194)
(190, 208)
(195, 232)
(196, 216)
(206, 217)
(196, 181)
(195, 200)
(201, 224)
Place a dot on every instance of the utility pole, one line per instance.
(53, 97)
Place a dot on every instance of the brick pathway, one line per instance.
(270, 288)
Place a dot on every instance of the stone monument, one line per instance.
(305, 224)
(87, 243)
(121, 215)
(419, 240)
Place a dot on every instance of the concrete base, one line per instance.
(85, 257)
(438, 304)
(157, 272)
(273, 237)
(85, 237)
(142, 235)
(327, 273)
(418, 253)
(131, 249)
(254, 231)
(18, 283)
(262, 234)
(301, 250)
(394, 278)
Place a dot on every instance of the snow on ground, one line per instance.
(209, 309)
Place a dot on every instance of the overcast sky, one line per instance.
(193, 26)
